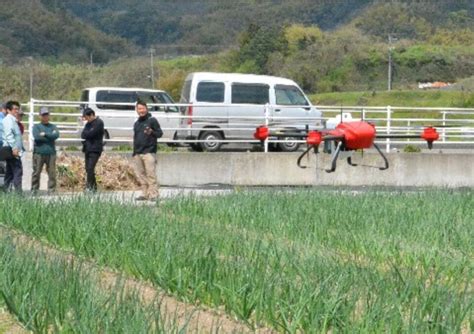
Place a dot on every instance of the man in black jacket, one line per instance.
(93, 145)
(146, 132)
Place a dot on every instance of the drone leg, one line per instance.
(349, 161)
(334, 158)
(302, 155)
(383, 157)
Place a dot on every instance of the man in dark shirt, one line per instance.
(146, 132)
(93, 145)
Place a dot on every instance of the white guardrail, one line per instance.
(455, 125)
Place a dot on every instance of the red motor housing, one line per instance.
(430, 134)
(314, 138)
(261, 133)
(357, 135)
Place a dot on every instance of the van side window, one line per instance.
(250, 93)
(116, 97)
(210, 92)
(289, 96)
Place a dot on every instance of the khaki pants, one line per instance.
(38, 162)
(145, 171)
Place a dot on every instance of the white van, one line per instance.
(224, 97)
(119, 119)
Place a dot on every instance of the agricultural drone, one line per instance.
(346, 136)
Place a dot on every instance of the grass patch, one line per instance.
(300, 260)
(412, 98)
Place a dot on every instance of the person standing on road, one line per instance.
(13, 140)
(44, 152)
(146, 132)
(93, 145)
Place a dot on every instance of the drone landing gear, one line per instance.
(305, 153)
(349, 161)
(383, 157)
(334, 158)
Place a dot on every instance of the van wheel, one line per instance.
(289, 145)
(211, 144)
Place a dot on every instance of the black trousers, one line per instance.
(13, 174)
(91, 160)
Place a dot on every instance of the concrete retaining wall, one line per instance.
(280, 169)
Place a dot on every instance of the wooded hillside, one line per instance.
(325, 47)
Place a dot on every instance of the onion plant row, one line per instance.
(53, 295)
(294, 260)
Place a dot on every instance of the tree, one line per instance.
(256, 45)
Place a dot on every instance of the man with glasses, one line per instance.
(12, 139)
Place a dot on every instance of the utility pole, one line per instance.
(30, 63)
(152, 73)
(31, 83)
(390, 61)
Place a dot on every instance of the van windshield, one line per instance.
(290, 96)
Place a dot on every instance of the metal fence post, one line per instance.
(31, 119)
(443, 132)
(389, 124)
(265, 144)
(408, 129)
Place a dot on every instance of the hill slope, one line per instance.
(29, 29)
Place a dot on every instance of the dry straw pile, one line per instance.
(113, 172)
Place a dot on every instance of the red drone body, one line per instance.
(348, 136)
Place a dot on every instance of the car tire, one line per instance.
(289, 146)
(210, 145)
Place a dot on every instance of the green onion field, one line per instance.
(290, 260)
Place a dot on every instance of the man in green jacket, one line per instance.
(44, 153)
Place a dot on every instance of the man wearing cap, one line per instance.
(12, 139)
(44, 152)
(93, 145)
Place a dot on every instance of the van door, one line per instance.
(291, 102)
(118, 119)
(293, 107)
(243, 119)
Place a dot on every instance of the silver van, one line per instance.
(119, 118)
(235, 106)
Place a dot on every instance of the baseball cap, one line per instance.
(44, 111)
